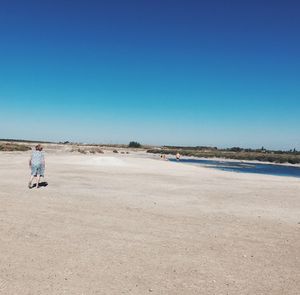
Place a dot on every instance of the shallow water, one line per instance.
(245, 167)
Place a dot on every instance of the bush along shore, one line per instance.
(263, 155)
(14, 147)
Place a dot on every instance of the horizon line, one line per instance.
(149, 145)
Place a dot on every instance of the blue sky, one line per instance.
(221, 73)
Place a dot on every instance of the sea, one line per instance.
(245, 167)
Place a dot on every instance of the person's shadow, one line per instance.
(41, 184)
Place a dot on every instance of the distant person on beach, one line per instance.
(177, 156)
(163, 157)
(37, 165)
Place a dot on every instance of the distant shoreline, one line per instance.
(275, 157)
(239, 161)
(287, 158)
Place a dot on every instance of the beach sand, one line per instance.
(128, 224)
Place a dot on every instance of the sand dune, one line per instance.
(127, 224)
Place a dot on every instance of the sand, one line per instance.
(127, 224)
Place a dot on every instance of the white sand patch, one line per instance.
(104, 161)
(86, 160)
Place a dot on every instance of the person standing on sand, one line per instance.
(37, 165)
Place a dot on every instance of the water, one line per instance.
(245, 167)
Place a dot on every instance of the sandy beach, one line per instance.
(128, 224)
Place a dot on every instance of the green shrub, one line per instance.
(134, 144)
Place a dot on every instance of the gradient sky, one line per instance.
(188, 72)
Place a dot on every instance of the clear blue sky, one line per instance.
(189, 72)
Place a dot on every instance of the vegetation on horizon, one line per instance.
(236, 153)
(25, 140)
(134, 144)
(276, 156)
(13, 147)
(93, 150)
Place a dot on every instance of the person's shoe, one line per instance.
(29, 185)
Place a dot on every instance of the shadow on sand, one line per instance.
(41, 184)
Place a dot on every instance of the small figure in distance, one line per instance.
(163, 157)
(177, 156)
(37, 165)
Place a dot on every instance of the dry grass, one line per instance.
(85, 151)
(14, 147)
